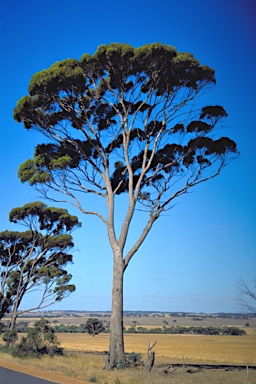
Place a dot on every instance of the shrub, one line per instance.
(131, 360)
(3, 328)
(40, 340)
(10, 337)
(22, 350)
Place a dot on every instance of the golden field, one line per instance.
(83, 361)
(171, 348)
(80, 367)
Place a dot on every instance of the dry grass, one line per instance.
(88, 367)
(169, 349)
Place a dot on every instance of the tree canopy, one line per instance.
(93, 326)
(124, 116)
(36, 258)
(125, 121)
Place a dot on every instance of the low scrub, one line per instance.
(40, 340)
(130, 360)
(21, 327)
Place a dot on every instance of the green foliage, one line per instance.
(130, 360)
(3, 328)
(40, 340)
(36, 258)
(233, 331)
(65, 73)
(92, 94)
(9, 337)
(51, 219)
(21, 326)
(93, 326)
(82, 328)
(174, 330)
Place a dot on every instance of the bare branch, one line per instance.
(247, 297)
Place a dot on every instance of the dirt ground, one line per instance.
(213, 376)
(46, 375)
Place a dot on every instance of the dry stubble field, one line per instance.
(196, 349)
(87, 367)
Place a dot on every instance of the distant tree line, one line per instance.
(93, 326)
(82, 328)
(233, 331)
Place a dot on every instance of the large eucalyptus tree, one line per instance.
(123, 121)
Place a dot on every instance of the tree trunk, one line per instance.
(14, 312)
(13, 320)
(116, 347)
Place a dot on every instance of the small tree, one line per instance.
(36, 259)
(93, 326)
(124, 121)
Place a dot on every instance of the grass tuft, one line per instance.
(92, 379)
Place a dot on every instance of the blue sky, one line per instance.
(195, 254)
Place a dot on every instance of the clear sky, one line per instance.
(195, 254)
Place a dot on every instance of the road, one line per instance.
(8, 376)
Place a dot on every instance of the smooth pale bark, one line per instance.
(116, 346)
(13, 320)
